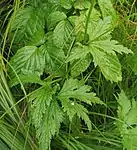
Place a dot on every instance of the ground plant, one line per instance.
(68, 75)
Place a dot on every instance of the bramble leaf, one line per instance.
(54, 18)
(107, 9)
(54, 59)
(40, 100)
(53, 117)
(27, 58)
(28, 27)
(101, 30)
(127, 114)
(103, 50)
(67, 4)
(26, 77)
(77, 52)
(62, 33)
(81, 4)
(110, 46)
(73, 108)
(80, 65)
(46, 115)
(124, 105)
(75, 89)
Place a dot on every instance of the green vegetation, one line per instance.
(68, 75)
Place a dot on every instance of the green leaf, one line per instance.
(27, 58)
(54, 59)
(3, 146)
(108, 64)
(54, 18)
(100, 29)
(75, 89)
(82, 4)
(104, 56)
(109, 46)
(26, 77)
(131, 118)
(77, 52)
(40, 100)
(73, 108)
(107, 9)
(52, 119)
(28, 27)
(127, 113)
(130, 139)
(46, 114)
(66, 4)
(80, 65)
(103, 50)
(124, 105)
(79, 26)
(62, 33)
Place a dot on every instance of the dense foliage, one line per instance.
(68, 75)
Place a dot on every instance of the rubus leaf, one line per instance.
(46, 114)
(78, 23)
(28, 27)
(104, 56)
(26, 77)
(73, 108)
(40, 100)
(75, 89)
(62, 33)
(130, 139)
(52, 119)
(127, 114)
(67, 4)
(107, 9)
(77, 52)
(103, 50)
(124, 105)
(109, 64)
(80, 65)
(100, 30)
(81, 4)
(28, 58)
(54, 59)
(131, 118)
(54, 18)
(110, 46)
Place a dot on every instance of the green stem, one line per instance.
(88, 18)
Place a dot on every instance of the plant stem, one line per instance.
(88, 18)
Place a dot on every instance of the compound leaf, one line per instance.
(80, 65)
(26, 77)
(108, 64)
(107, 9)
(46, 115)
(28, 27)
(54, 59)
(27, 58)
(54, 18)
(75, 89)
(62, 33)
